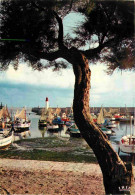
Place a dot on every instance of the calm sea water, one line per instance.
(121, 128)
(35, 132)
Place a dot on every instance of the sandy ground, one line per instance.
(50, 178)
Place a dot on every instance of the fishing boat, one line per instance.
(64, 117)
(127, 142)
(43, 119)
(107, 114)
(58, 121)
(21, 122)
(5, 118)
(100, 118)
(106, 131)
(118, 117)
(93, 117)
(126, 117)
(46, 115)
(101, 123)
(115, 112)
(74, 131)
(109, 124)
(5, 140)
(53, 128)
(113, 132)
(70, 117)
(69, 123)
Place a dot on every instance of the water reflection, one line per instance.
(59, 132)
(43, 131)
(21, 135)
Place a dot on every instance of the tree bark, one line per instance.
(116, 173)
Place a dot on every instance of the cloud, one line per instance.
(114, 90)
(28, 87)
(103, 83)
(25, 74)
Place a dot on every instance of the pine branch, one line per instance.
(60, 35)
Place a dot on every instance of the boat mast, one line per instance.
(130, 128)
(25, 112)
(134, 123)
(12, 114)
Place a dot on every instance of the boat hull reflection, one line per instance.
(21, 135)
(43, 131)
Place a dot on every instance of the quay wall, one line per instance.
(121, 110)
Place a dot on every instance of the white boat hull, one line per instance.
(127, 144)
(107, 132)
(22, 125)
(127, 148)
(111, 126)
(52, 127)
(5, 141)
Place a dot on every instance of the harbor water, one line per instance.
(121, 129)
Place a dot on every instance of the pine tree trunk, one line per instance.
(116, 173)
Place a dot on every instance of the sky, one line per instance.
(26, 87)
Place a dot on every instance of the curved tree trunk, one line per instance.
(116, 173)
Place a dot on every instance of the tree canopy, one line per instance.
(108, 29)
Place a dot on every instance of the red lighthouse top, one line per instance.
(46, 99)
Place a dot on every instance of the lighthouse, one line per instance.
(47, 103)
